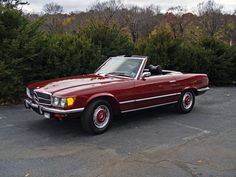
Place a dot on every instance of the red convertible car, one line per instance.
(121, 84)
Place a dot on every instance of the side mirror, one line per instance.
(146, 74)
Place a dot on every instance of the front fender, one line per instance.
(107, 96)
(101, 95)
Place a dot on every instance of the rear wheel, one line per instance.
(186, 102)
(97, 117)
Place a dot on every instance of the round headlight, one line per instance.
(63, 102)
(55, 101)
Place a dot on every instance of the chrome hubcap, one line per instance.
(187, 100)
(101, 116)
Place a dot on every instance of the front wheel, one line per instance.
(97, 117)
(186, 102)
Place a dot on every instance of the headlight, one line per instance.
(62, 102)
(55, 101)
(28, 93)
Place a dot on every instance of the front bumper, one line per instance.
(40, 109)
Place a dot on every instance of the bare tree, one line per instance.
(228, 28)
(140, 21)
(52, 8)
(54, 18)
(174, 17)
(107, 10)
(13, 3)
(178, 20)
(177, 10)
(210, 17)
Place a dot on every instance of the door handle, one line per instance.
(172, 81)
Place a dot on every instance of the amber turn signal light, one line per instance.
(70, 101)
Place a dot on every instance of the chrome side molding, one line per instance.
(150, 98)
(147, 107)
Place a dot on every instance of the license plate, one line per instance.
(46, 115)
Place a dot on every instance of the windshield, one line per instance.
(121, 66)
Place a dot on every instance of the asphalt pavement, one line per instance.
(152, 143)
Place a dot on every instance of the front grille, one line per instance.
(31, 93)
(42, 98)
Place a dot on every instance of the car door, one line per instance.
(155, 90)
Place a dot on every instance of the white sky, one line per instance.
(81, 5)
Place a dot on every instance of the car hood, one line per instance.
(64, 86)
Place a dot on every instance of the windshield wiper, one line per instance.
(119, 74)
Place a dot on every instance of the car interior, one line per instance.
(157, 70)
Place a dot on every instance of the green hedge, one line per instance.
(28, 55)
(209, 56)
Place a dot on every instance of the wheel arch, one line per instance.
(109, 98)
(193, 89)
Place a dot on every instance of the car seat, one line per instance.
(155, 70)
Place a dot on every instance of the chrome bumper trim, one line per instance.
(29, 104)
(203, 89)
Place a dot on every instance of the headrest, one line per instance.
(155, 69)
